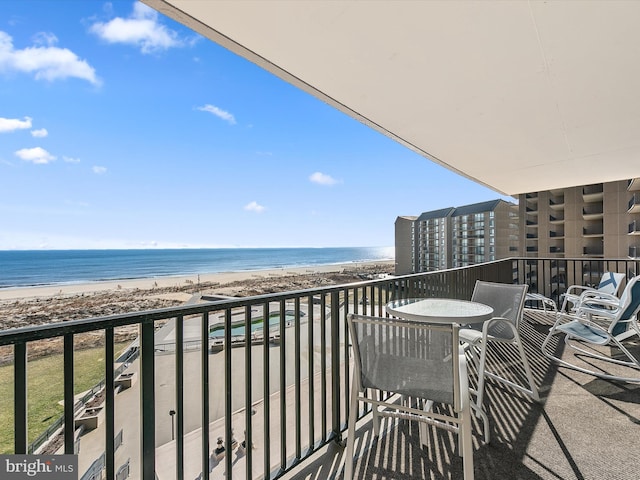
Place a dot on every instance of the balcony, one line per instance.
(292, 403)
(593, 212)
(634, 204)
(593, 231)
(593, 251)
(593, 193)
(556, 203)
(634, 228)
(633, 185)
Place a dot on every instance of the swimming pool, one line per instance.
(237, 328)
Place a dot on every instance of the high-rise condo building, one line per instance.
(456, 237)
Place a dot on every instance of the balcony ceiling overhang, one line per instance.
(518, 96)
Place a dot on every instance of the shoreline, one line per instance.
(150, 283)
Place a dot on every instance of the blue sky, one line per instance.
(120, 128)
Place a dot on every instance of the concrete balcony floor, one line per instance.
(583, 428)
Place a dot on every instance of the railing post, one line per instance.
(147, 402)
(69, 401)
(179, 332)
(20, 398)
(205, 396)
(335, 366)
(110, 446)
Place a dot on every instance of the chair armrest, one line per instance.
(570, 290)
(599, 297)
(497, 320)
(596, 294)
(602, 306)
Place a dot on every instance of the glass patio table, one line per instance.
(440, 310)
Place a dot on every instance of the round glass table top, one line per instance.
(440, 310)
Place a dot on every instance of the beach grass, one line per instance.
(45, 389)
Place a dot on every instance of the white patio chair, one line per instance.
(601, 321)
(416, 360)
(507, 301)
(609, 284)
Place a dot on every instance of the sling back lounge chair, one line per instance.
(507, 301)
(609, 283)
(418, 361)
(601, 321)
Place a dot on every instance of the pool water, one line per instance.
(237, 329)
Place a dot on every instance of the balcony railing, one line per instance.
(300, 357)
(285, 386)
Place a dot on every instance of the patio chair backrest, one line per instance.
(507, 301)
(629, 306)
(411, 358)
(610, 282)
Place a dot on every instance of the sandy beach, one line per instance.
(25, 306)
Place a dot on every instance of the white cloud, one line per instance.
(36, 155)
(11, 124)
(99, 170)
(70, 159)
(218, 112)
(322, 179)
(254, 207)
(41, 133)
(45, 62)
(141, 29)
(45, 38)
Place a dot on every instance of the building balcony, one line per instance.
(556, 220)
(634, 204)
(593, 212)
(593, 193)
(633, 185)
(634, 228)
(556, 204)
(593, 251)
(593, 231)
(278, 397)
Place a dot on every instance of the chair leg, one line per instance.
(376, 421)
(464, 440)
(477, 405)
(351, 434)
(481, 370)
(533, 390)
(527, 370)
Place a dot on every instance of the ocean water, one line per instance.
(49, 267)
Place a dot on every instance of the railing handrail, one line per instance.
(39, 332)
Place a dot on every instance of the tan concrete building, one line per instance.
(456, 237)
(591, 221)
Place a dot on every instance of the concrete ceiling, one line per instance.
(520, 96)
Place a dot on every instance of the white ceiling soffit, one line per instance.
(519, 96)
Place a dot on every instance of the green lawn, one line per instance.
(45, 390)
